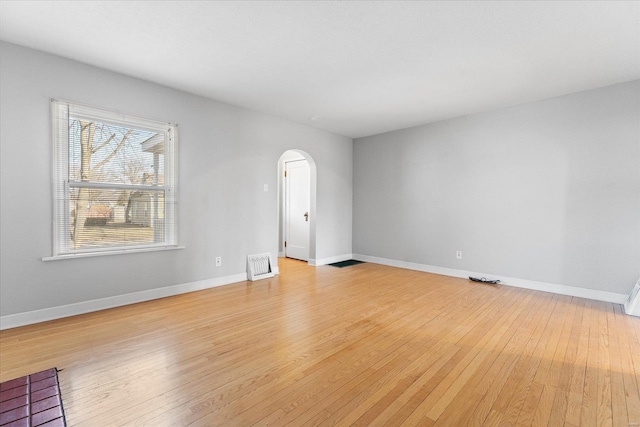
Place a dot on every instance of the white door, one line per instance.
(297, 189)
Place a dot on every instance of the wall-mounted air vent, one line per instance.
(259, 267)
(632, 305)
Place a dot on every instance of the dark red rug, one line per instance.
(32, 401)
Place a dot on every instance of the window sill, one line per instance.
(115, 252)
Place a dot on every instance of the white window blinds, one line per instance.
(114, 181)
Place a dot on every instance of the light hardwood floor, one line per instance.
(362, 345)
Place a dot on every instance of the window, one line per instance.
(114, 186)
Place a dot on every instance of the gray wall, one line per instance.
(226, 155)
(548, 191)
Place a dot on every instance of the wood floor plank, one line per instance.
(632, 394)
(562, 372)
(482, 394)
(619, 414)
(577, 367)
(544, 389)
(434, 404)
(363, 345)
(515, 390)
(448, 334)
(631, 331)
(498, 356)
(588, 415)
(528, 340)
(442, 342)
(604, 415)
(530, 405)
(291, 402)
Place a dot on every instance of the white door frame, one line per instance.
(292, 154)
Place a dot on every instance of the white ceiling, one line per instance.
(362, 67)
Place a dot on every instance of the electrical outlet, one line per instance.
(218, 261)
(459, 254)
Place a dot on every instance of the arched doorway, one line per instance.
(295, 229)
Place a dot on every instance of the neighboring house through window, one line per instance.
(114, 183)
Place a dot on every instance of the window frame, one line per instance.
(62, 184)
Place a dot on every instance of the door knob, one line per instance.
(306, 216)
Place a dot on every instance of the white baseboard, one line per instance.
(509, 281)
(330, 260)
(52, 313)
(45, 314)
